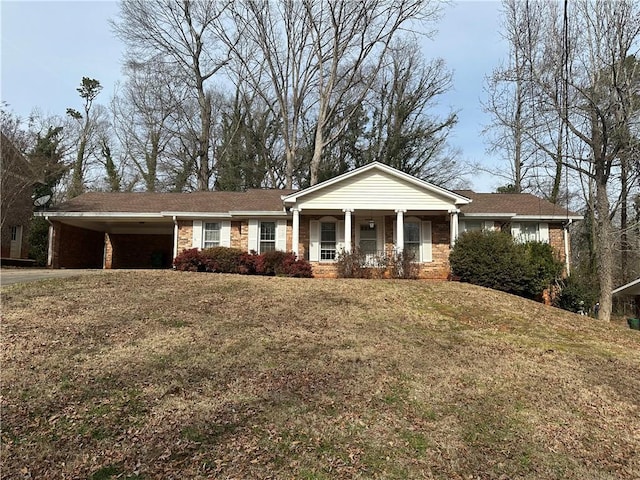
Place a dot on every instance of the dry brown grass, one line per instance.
(183, 375)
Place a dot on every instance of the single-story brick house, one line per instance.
(375, 208)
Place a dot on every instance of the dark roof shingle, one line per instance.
(518, 203)
(146, 202)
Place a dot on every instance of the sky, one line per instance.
(48, 46)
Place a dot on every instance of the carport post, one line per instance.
(175, 237)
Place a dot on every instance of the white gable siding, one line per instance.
(375, 190)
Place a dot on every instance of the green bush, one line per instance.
(39, 241)
(494, 260)
(576, 294)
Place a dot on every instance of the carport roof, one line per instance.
(145, 202)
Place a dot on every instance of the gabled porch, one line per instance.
(377, 211)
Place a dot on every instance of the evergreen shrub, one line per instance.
(493, 259)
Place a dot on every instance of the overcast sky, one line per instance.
(48, 46)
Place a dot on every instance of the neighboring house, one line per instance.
(16, 207)
(632, 291)
(374, 208)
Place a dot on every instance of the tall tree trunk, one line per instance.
(604, 247)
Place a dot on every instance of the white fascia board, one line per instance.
(629, 287)
(196, 214)
(261, 214)
(97, 215)
(552, 218)
(459, 199)
(480, 216)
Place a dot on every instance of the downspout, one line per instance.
(49, 243)
(565, 234)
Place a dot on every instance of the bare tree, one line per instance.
(145, 112)
(186, 36)
(404, 132)
(87, 122)
(318, 60)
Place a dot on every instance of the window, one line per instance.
(412, 239)
(473, 225)
(14, 233)
(529, 232)
(211, 235)
(327, 241)
(267, 236)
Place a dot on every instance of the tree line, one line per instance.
(250, 94)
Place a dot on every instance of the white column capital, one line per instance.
(347, 210)
(400, 210)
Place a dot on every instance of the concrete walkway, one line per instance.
(22, 275)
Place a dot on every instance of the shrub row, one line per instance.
(495, 260)
(234, 260)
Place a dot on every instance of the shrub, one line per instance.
(494, 260)
(403, 265)
(299, 268)
(223, 259)
(39, 241)
(351, 264)
(248, 263)
(282, 264)
(190, 260)
(270, 263)
(576, 294)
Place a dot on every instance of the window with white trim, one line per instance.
(473, 225)
(412, 239)
(328, 241)
(529, 232)
(14, 233)
(267, 236)
(211, 235)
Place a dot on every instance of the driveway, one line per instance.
(22, 275)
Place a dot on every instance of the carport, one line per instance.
(80, 240)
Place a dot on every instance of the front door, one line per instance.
(368, 239)
(16, 241)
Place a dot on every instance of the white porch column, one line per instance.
(295, 234)
(347, 229)
(454, 227)
(400, 230)
(176, 232)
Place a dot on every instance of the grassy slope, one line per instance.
(140, 374)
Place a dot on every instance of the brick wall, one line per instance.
(185, 235)
(138, 251)
(556, 240)
(75, 247)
